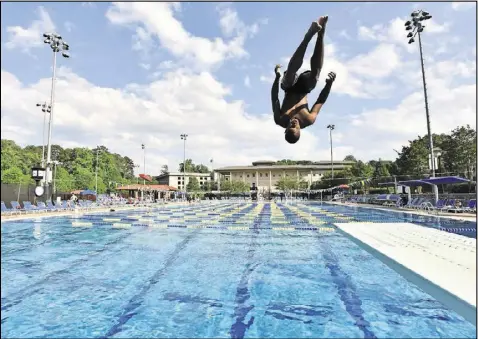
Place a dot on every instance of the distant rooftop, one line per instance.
(267, 165)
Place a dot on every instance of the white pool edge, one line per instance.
(463, 308)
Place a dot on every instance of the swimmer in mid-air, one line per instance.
(294, 113)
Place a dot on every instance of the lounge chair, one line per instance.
(410, 203)
(392, 200)
(28, 206)
(50, 206)
(17, 207)
(470, 207)
(6, 210)
(416, 203)
(449, 204)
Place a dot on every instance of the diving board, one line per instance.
(441, 264)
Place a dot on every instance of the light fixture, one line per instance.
(410, 35)
(408, 23)
(411, 41)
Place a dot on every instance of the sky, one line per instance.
(149, 72)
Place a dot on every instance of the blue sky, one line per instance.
(147, 72)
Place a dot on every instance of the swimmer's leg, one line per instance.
(298, 57)
(317, 60)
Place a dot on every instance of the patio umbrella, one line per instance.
(87, 192)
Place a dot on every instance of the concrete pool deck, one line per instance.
(441, 264)
(456, 216)
(37, 215)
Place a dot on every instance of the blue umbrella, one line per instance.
(87, 192)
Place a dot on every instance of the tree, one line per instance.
(381, 170)
(234, 186)
(14, 175)
(459, 151)
(413, 159)
(291, 183)
(350, 157)
(193, 184)
(210, 186)
(361, 170)
(164, 169)
(286, 162)
(201, 168)
(191, 167)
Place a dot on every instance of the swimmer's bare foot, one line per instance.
(314, 28)
(323, 21)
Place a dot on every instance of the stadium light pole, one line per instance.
(184, 138)
(56, 43)
(45, 109)
(96, 170)
(143, 147)
(331, 128)
(415, 27)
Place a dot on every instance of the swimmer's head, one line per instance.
(292, 132)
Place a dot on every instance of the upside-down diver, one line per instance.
(294, 114)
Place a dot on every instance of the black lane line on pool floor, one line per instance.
(36, 287)
(137, 300)
(346, 289)
(239, 328)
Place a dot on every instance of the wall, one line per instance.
(9, 192)
(263, 177)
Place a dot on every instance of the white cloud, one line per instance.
(394, 32)
(69, 26)
(463, 6)
(31, 36)
(158, 20)
(156, 114)
(378, 63)
(231, 24)
(343, 33)
(247, 81)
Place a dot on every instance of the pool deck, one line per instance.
(441, 264)
(455, 216)
(37, 215)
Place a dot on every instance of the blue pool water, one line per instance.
(211, 270)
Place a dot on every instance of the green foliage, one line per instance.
(361, 170)
(192, 168)
(291, 183)
(76, 169)
(234, 186)
(210, 186)
(350, 157)
(381, 170)
(193, 185)
(459, 151)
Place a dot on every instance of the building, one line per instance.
(266, 174)
(180, 180)
(137, 190)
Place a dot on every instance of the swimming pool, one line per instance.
(240, 270)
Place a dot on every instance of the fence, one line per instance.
(24, 192)
(17, 192)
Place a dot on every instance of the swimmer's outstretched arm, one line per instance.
(275, 96)
(322, 97)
